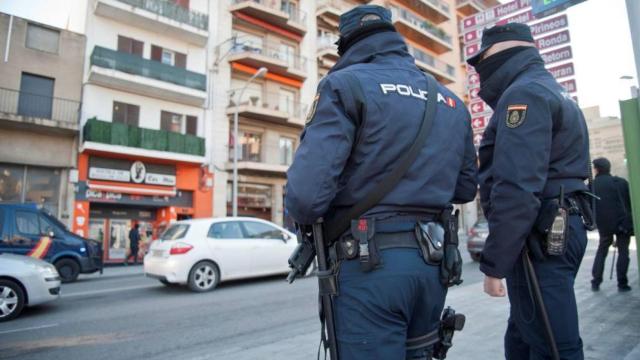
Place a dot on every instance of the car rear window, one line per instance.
(175, 232)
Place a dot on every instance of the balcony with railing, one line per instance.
(278, 12)
(272, 107)
(111, 137)
(421, 31)
(158, 16)
(276, 59)
(329, 11)
(444, 72)
(435, 11)
(133, 73)
(470, 7)
(31, 109)
(327, 48)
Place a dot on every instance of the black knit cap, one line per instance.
(501, 33)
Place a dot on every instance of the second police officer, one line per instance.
(348, 146)
(535, 148)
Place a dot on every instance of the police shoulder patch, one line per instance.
(516, 115)
(312, 110)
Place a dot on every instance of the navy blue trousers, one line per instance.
(376, 312)
(525, 338)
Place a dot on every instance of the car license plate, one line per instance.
(157, 253)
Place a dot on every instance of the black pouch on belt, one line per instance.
(451, 264)
(430, 236)
(363, 230)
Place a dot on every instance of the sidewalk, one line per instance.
(609, 322)
(115, 271)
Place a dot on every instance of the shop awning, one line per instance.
(131, 189)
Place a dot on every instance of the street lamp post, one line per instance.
(260, 73)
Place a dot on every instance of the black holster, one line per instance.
(363, 231)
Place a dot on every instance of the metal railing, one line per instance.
(327, 41)
(293, 61)
(295, 15)
(269, 101)
(338, 4)
(172, 11)
(431, 61)
(421, 23)
(133, 64)
(481, 3)
(444, 7)
(39, 106)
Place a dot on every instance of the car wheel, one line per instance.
(11, 300)
(204, 276)
(68, 269)
(475, 257)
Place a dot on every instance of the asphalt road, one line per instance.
(133, 317)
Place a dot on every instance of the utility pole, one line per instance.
(633, 12)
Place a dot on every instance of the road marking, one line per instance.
(28, 329)
(106, 291)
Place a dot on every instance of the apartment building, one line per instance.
(606, 140)
(40, 94)
(142, 156)
(253, 34)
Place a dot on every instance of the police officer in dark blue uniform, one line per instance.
(347, 147)
(535, 146)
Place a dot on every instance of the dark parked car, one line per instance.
(477, 237)
(27, 230)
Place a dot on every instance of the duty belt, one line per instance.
(405, 239)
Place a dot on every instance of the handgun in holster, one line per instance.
(449, 324)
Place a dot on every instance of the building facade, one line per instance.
(606, 139)
(142, 155)
(40, 94)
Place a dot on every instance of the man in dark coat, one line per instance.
(535, 147)
(134, 240)
(349, 144)
(613, 217)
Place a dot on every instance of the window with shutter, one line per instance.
(126, 113)
(180, 60)
(192, 125)
(171, 122)
(156, 53)
(182, 3)
(130, 46)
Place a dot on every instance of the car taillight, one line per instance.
(180, 248)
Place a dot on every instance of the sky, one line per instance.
(600, 38)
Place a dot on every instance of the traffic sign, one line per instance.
(477, 107)
(553, 40)
(479, 122)
(471, 50)
(473, 80)
(563, 70)
(542, 8)
(547, 26)
(569, 85)
(477, 139)
(520, 18)
(557, 55)
(490, 15)
(473, 93)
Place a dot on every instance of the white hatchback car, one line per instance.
(25, 281)
(203, 252)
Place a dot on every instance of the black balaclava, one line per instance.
(490, 65)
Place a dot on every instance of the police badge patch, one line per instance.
(312, 110)
(516, 115)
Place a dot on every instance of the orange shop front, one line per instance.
(114, 192)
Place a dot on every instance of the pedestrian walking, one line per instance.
(613, 217)
(533, 166)
(369, 111)
(134, 241)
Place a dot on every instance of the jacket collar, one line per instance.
(377, 48)
(494, 87)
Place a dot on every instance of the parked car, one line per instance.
(201, 253)
(27, 230)
(25, 281)
(477, 238)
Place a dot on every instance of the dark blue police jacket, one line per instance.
(536, 141)
(338, 163)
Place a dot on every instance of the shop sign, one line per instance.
(159, 179)
(122, 213)
(182, 198)
(136, 172)
(109, 174)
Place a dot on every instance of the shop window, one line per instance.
(286, 151)
(11, 182)
(43, 187)
(226, 230)
(27, 223)
(126, 113)
(30, 184)
(130, 46)
(257, 230)
(192, 125)
(250, 146)
(36, 96)
(42, 38)
(171, 122)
